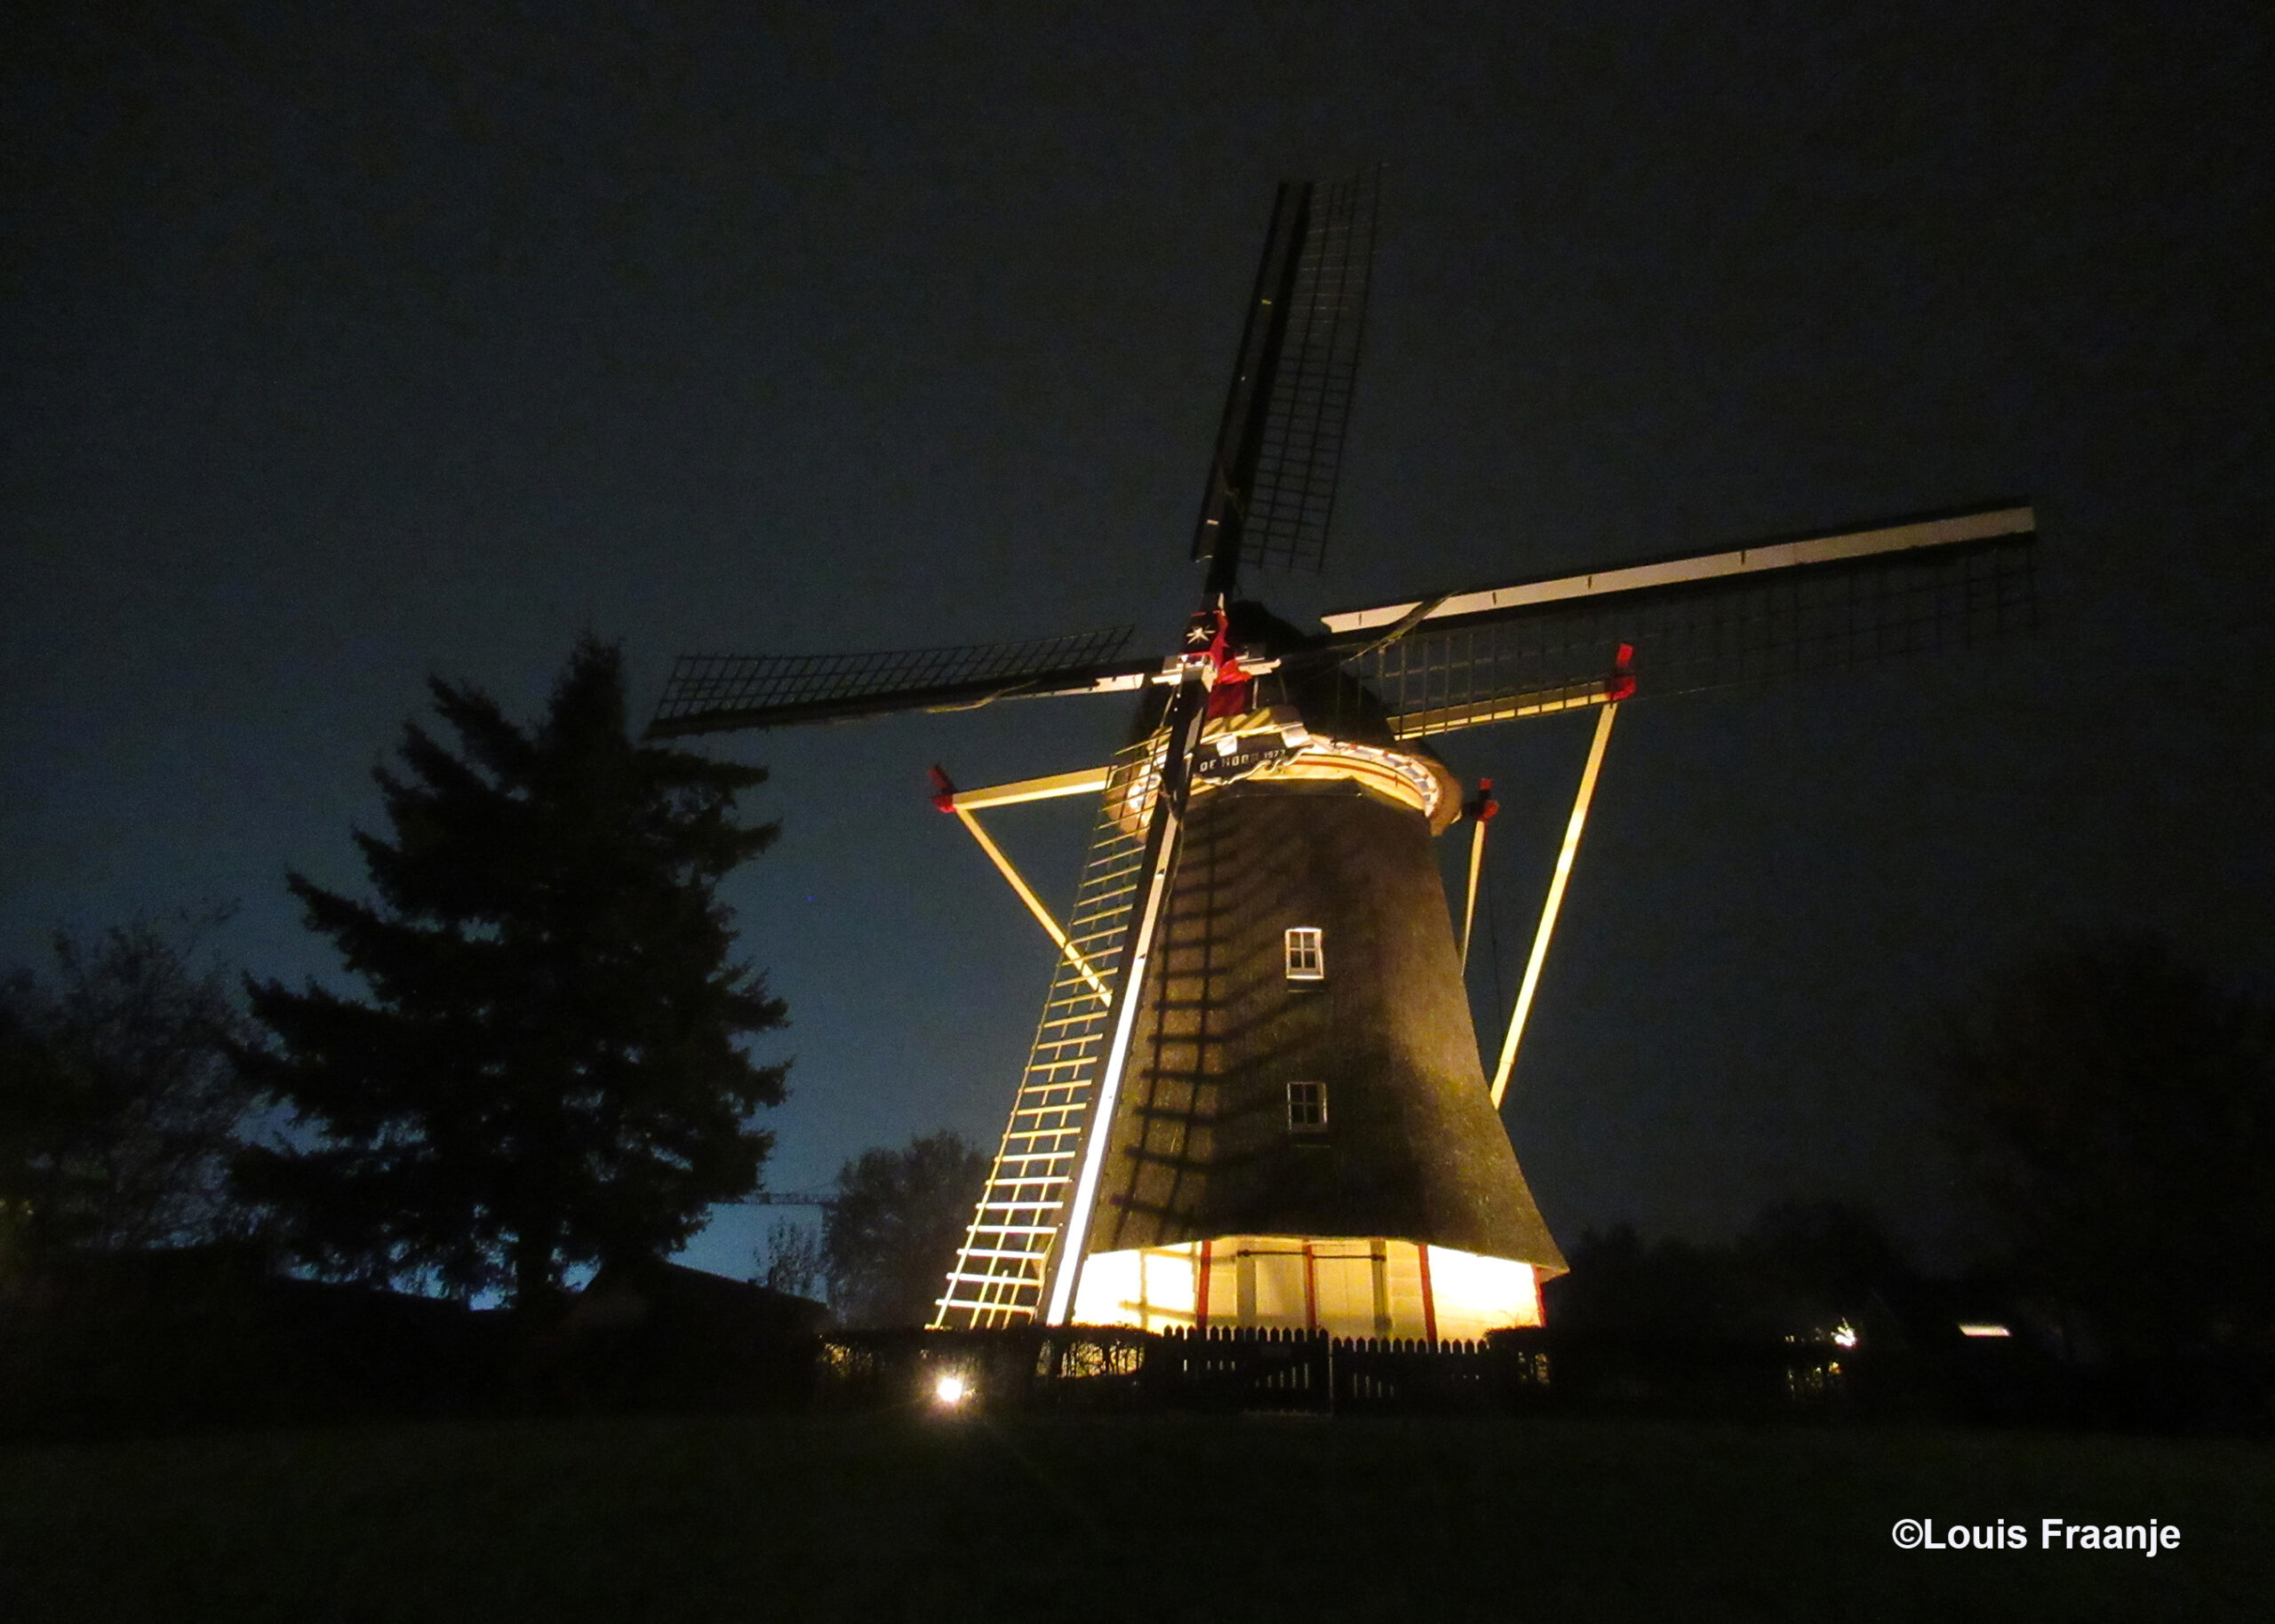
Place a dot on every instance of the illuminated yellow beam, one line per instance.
(1090, 781)
(1469, 908)
(1555, 901)
(1034, 904)
(1477, 712)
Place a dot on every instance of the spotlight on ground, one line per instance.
(950, 1391)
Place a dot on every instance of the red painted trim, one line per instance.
(1429, 1301)
(1227, 699)
(1622, 685)
(1310, 1289)
(1200, 1295)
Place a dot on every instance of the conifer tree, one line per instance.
(548, 1070)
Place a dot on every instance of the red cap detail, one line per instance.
(1622, 683)
(1229, 698)
(944, 791)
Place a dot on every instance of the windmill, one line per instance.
(1255, 1096)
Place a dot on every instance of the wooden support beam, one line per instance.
(1508, 707)
(1555, 901)
(1090, 780)
(1476, 864)
(1026, 894)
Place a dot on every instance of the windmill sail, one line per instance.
(708, 693)
(1708, 621)
(1271, 490)
(1270, 498)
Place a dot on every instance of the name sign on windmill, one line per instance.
(1255, 1096)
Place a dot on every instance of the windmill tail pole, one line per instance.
(1555, 899)
(1480, 812)
(1182, 738)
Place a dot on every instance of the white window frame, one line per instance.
(1307, 947)
(1314, 1097)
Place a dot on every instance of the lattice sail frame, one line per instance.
(1293, 499)
(710, 692)
(1003, 1266)
(1698, 636)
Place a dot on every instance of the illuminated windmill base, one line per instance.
(1373, 1287)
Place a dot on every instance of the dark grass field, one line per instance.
(1165, 1517)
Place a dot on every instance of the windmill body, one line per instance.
(1255, 1096)
(1299, 1147)
(1305, 1137)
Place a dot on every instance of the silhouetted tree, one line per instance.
(2116, 1110)
(893, 1229)
(1800, 1266)
(1822, 1258)
(118, 1097)
(791, 1260)
(1667, 1287)
(548, 1073)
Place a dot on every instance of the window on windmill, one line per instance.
(1306, 1108)
(1307, 953)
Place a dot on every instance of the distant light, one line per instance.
(1844, 1336)
(950, 1391)
(1967, 1329)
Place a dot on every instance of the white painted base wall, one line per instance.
(1347, 1287)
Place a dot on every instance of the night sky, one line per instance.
(347, 345)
